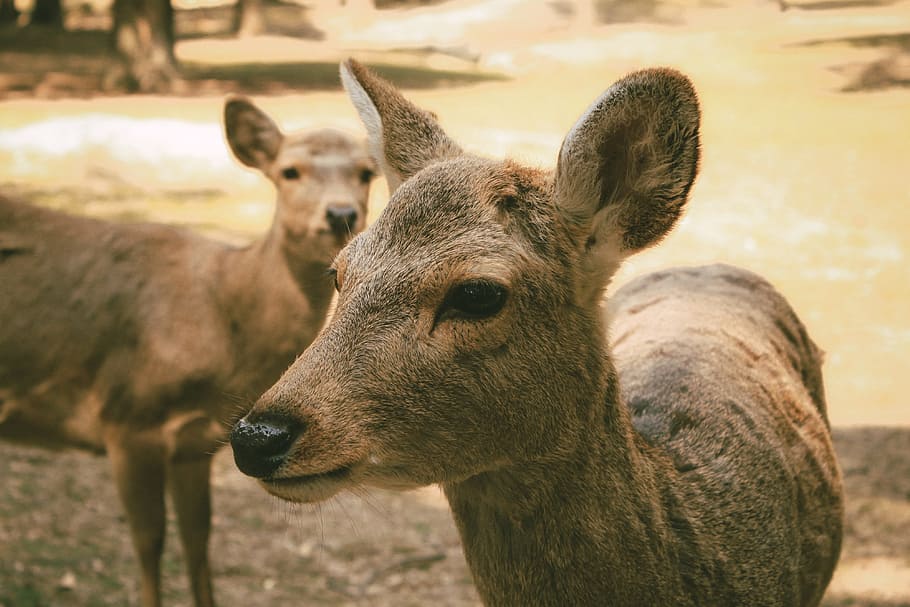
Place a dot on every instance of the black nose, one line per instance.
(261, 446)
(341, 218)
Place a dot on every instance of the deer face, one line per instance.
(466, 335)
(436, 337)
(322, 177)
(323, 180)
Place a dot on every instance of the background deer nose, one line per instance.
(261, 446)
(341, 218)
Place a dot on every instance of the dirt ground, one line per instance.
(806, 138)
(63, 539)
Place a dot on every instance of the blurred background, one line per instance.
(113, 109)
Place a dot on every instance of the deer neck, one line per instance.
(277, 263)
(305, 258)
(589, 527)
(274, 298)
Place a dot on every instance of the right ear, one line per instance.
(254, 138)
(625, 170)
(402, 138)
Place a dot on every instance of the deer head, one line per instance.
(467, 334)
(322, 177)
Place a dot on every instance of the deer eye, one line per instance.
(366, 175)
(290, 173)
(474, 299)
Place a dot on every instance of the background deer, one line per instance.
(138, 339)
(468, 348)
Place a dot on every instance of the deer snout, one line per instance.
(341, 218)
(261, 446)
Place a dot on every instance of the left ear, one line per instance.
(403, 138)
(626, 167)
(253, 137)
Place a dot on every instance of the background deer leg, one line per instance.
(139, 475)
(188, 483)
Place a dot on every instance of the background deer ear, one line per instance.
(626, 167)
(403, 139)
(254, 138)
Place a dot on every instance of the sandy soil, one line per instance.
(806, 139)
(63, 540)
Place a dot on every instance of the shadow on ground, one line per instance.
(826, 5)
(891, 69)
(51, 63)
(309, 76)
(74, 64)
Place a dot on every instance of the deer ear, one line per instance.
(402, 138)
(626, 167)
(254, 138)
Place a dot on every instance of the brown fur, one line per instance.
(146, 340)
(692, 467)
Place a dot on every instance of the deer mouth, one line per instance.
(308, 487)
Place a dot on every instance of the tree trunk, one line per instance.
(8, 12)
(47, 12)
(144, 40)
(249, 19)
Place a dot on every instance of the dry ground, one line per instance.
(63, 539)
(806, 142)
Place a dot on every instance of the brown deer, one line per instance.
(139, 340)
(468, 348)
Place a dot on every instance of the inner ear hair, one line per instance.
(640, 178)
(626, 167)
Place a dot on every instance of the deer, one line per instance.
(147, 341)
(687, 460)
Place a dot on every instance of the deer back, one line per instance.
(719, 373)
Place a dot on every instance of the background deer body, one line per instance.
(143, 340)
(468, 348)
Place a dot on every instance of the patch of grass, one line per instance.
(21, 595)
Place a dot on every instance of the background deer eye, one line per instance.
(474, 299)
(290, 173)
(366, 175)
